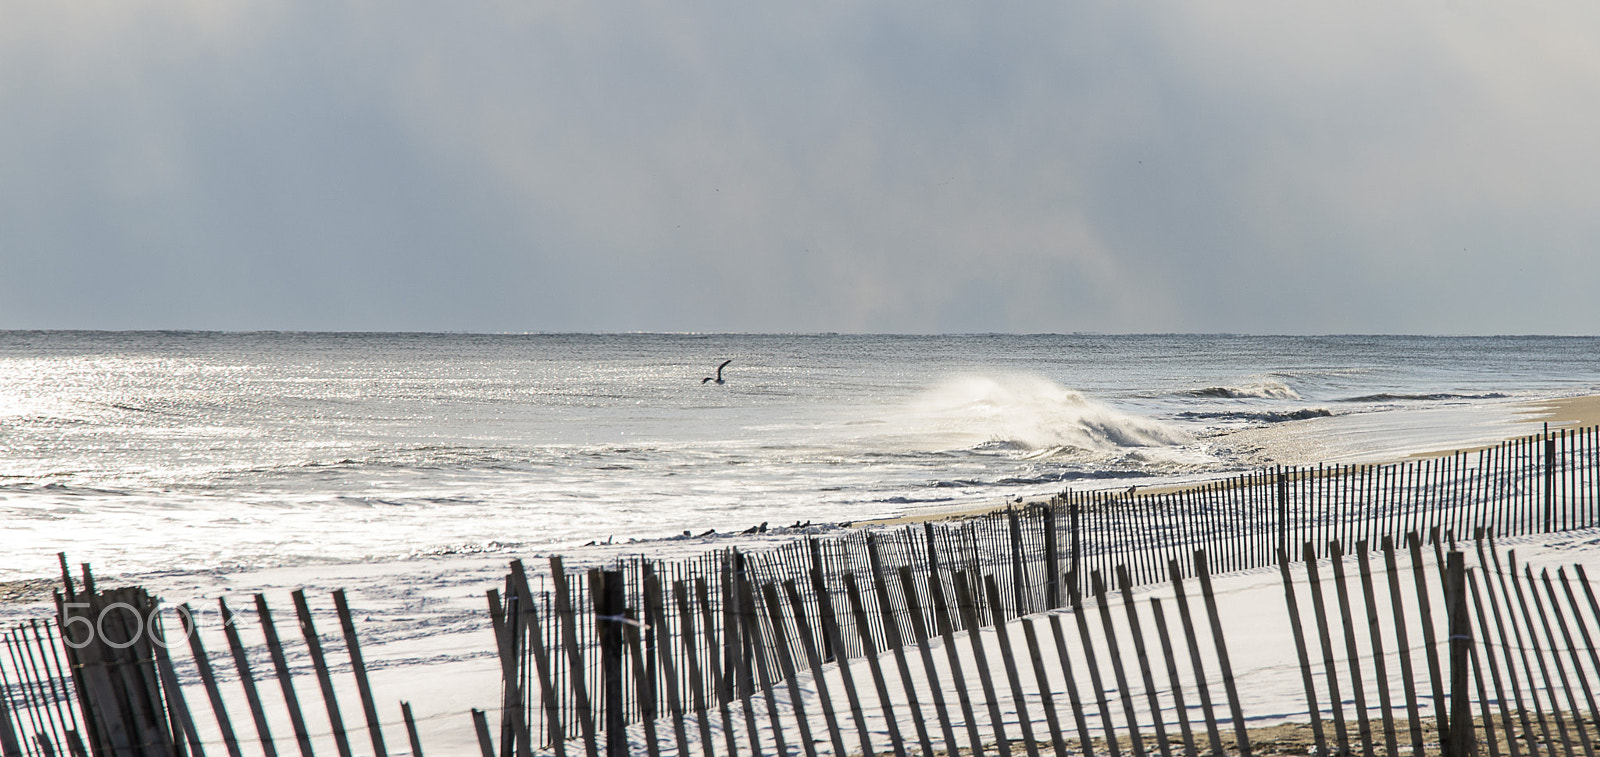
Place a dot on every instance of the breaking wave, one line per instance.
(1261, 417)
(1261, 390)
(1026, 412)
(1388, 397)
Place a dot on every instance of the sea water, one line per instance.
(193, 451)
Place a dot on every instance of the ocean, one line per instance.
(195, 451)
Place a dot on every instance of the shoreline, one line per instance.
(1582, 411)
(1558, 413)
(1564, 412)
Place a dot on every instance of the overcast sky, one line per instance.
(725, 165)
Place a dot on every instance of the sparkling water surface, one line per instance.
(143, 451)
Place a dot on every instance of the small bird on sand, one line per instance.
(718, 378)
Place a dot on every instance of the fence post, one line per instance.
(1019, 583)
(1549, 480)
(1052, 582)
(1460, 740)
(1283, 512)
(1074, 577)
(609, 614)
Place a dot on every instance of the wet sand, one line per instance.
(1568, 412)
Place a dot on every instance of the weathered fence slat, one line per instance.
(664, 641)
(769, 595)
(1583, 630)
(542, 664)
(1380, 670)
(966, 586)
(723, 674)
(752, 628)
(1506, 648)
(1143, 657)
(870, 652)
(1085, 738)
(1484, 708)
(1538, 655)
(1544, 732)
(1018, 700)
(1097, 683)
(696, 690)
(1494, 669)
(411, 729)
(1555, 657)
(359, 668)
(830, 627)
(568, 624)
(1103, 604)
(1352, 653)
(902, 665)
(1306, 675)
(319, 662)
(280, 665)
(247, 679)
(1042, 679)
(1403, 647)
(936, 691)
(1197, 666)
(208, 679)
(957, 677)
(1203, 574)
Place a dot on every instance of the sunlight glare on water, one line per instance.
(141, 451)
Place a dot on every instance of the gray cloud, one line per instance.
(1413, 167)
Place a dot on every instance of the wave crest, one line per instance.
(1031, 413)
(1435, 396)
(1260, 390)
(1263, 417)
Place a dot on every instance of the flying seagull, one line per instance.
(718, 379)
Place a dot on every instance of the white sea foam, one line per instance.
(193, 451)
(1266, 389)
(1031, 412)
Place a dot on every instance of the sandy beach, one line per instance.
(1570, 411)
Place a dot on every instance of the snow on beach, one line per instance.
(1259, 642)
(426, 637)
(423, 627)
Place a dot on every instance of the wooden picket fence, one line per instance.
(1410, 653)
(34, 675)
(103, 677)
(712, 635)
(1510, 686)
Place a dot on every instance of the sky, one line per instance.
(1365, 166)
